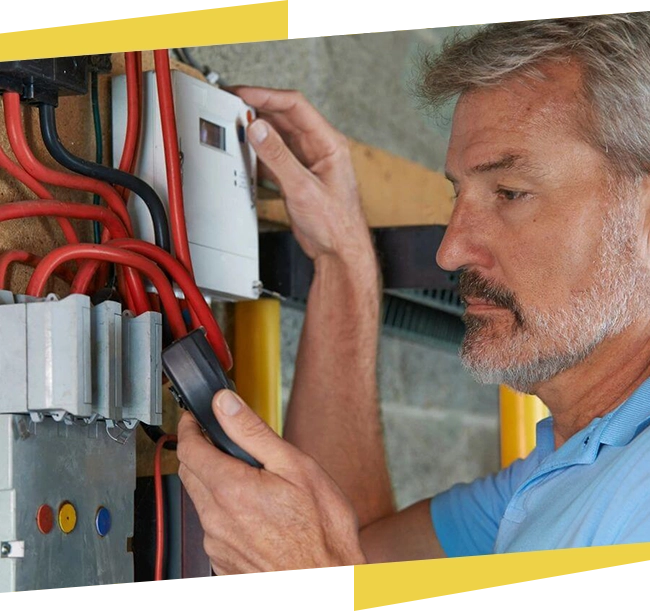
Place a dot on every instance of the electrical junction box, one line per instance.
(66, 504)
(219, 179)
(77, 379)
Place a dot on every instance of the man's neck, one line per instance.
(599, 384)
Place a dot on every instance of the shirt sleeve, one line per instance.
(466, 517)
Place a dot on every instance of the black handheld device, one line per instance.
(196, 375)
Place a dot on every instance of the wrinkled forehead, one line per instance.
(521, 112)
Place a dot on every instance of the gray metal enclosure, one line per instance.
(52, 463)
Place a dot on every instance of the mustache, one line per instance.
(472, 285)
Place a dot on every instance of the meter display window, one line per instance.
(213, 135)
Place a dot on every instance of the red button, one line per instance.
(249, 116)
(45, 519)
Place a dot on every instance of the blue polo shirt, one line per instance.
(593, 490)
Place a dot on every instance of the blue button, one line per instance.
(103, 521)
(241, 133)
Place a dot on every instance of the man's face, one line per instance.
(549, 247)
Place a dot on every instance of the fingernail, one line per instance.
(258, 131)
(228, 403)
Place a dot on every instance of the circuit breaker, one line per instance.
(77, 379)
(219, 179)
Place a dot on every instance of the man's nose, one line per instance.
(465, 240)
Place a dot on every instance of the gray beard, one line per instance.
(524, 357)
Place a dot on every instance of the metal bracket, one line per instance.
(120, 431)
(12, 549)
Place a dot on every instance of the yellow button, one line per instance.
(67, 517)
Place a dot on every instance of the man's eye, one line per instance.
(511, 195)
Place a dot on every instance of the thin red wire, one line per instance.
(100, 252)
(160, 507)
(172, 159)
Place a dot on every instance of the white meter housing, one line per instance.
(219, 179)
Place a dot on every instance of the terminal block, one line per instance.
(142, 380)
(71, 360)
(44, 80)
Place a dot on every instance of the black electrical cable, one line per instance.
(111, 175)
(99, 148)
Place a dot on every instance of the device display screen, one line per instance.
(213, 134)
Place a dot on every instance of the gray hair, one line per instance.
(612, 50)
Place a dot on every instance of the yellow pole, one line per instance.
(519, 415)
(257, 358)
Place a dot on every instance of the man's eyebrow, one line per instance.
(505, 162)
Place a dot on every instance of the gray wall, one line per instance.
(440, 426)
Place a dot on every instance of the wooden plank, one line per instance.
(394, 191)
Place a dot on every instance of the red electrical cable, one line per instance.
(172, 160)
(200, 311)
(40, 172)
(10, 257)
(39, 190)
(47, 207)
(160, 506)
(127, 160)
(24, 209)
(138, 66)
(121, 288)
(61, 255)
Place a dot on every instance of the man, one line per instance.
(549, 157)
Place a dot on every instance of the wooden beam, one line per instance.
(394, 191)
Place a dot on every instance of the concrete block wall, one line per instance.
(440, 426)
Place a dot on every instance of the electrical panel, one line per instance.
(66, 504)
(77, 379)
(219, 179)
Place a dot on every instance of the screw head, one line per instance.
(5, 549)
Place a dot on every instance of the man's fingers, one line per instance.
(263, 173)
(293, 115)
(251, 433)
(292, 104)
(199, 455)
(198, 491)
(293, 177)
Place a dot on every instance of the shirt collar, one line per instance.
(617, 428)
(630, 418)
(545, 442)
